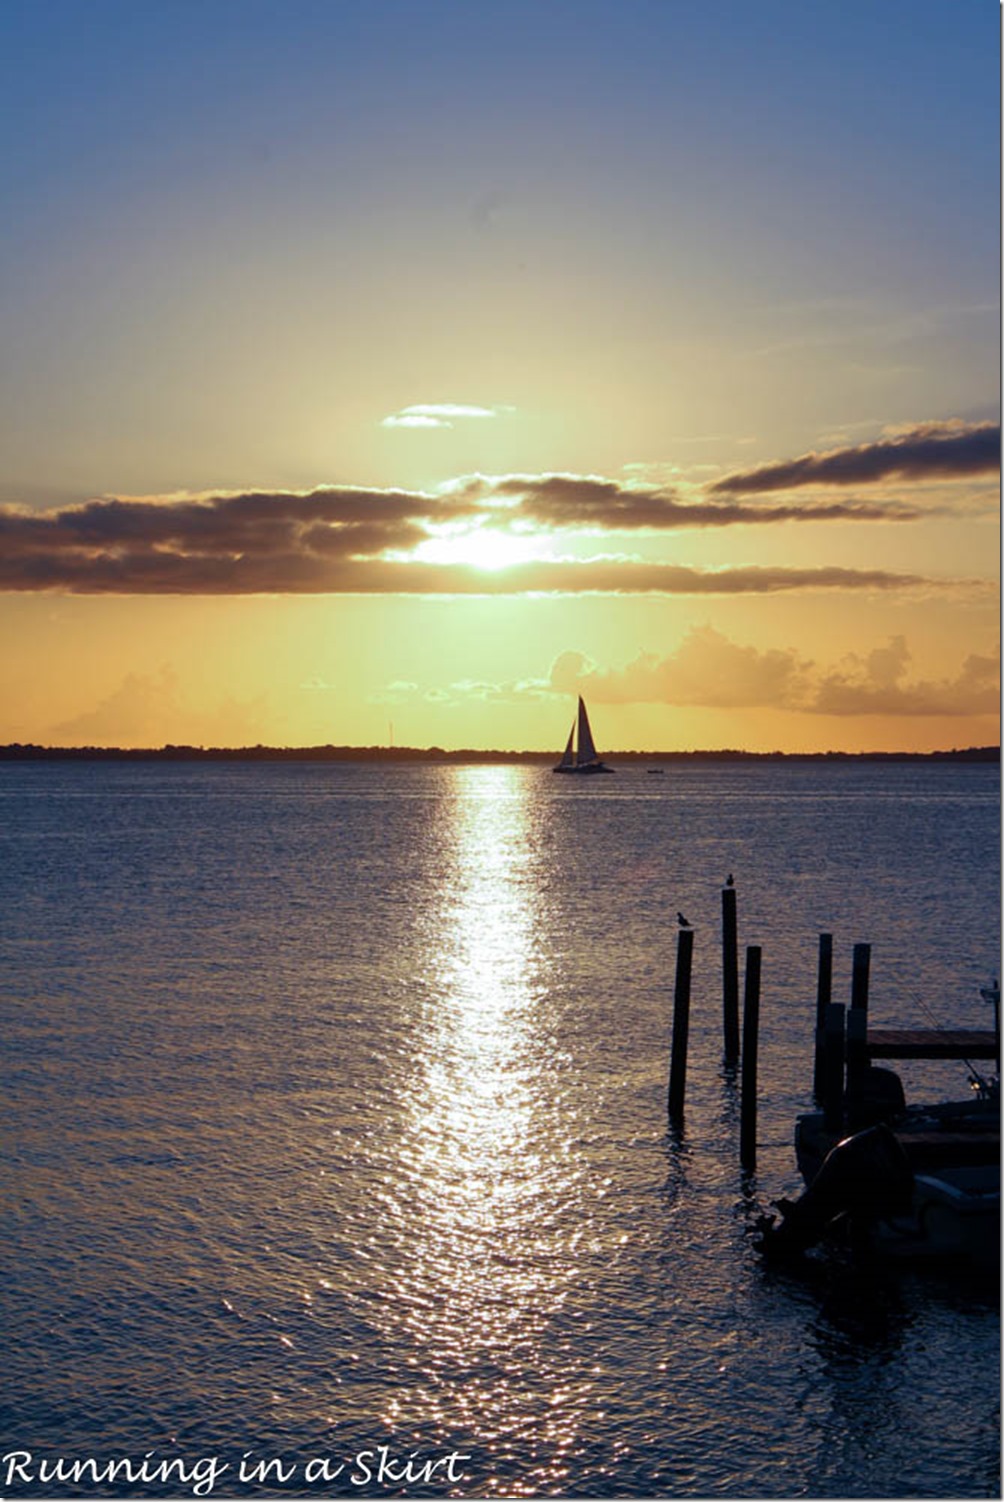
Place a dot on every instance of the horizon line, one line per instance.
(28, 750)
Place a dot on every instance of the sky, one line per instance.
(383, 372)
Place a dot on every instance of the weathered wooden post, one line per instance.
(833, 1067)
(992, 993)
(859, 976)
(751, 1029)
(857, 1048)
(681, 1023)
(730, 973)
(857, 1018)
(824, 991)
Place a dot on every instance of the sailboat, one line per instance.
(580, 753)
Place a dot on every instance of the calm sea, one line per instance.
(335, 1121)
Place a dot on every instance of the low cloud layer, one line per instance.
(593, 503)
(225, 544)
(930, 451)
(354, 540)
(879, 684)
(709, 671)
(135, 712)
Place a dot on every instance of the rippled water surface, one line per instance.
(335, 1120)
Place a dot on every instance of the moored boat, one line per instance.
(923, 1185)
(905, 1182)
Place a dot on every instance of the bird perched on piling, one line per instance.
(730, 880)
(683, 922)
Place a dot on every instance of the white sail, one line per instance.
(586, 751)
(580, 752)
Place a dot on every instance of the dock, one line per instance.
(930, 1043)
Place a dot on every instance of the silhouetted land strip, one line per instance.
(435, 754)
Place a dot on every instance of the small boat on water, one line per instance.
(917, 1183)
(580, 753)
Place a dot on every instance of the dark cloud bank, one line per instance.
(933, 451)
(351, 540)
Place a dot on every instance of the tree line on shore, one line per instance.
(400, 754)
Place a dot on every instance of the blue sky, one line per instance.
(606, 173)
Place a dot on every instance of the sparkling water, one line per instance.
(337, 1159)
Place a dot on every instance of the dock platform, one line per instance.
(930, 1043)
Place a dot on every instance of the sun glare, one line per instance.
(482, 548)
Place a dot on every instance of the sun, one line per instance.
(481, 548)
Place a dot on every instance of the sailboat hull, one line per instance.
(586, 770)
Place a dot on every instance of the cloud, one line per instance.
(590, 501)
(133, 713)
(398, 692)
(439, 415)
(461, 692)
(877, 685)
(929, 451)
(627, 576)
(132, 710)
(354, 540)
(414, 420)
(709, 671)
(256, 542)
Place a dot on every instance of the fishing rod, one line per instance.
(976, 1079)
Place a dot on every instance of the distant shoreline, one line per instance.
(436, 755)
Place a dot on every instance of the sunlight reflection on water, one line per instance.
(486, 1266)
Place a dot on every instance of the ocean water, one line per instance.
(336, 1154)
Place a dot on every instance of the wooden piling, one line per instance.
(730, 975)
(824, 991)
(993, 994)
(833, 1067)
(857, 1048)
(751, 1029)
(856, 1042)
(859, 976)
(681, 1023)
